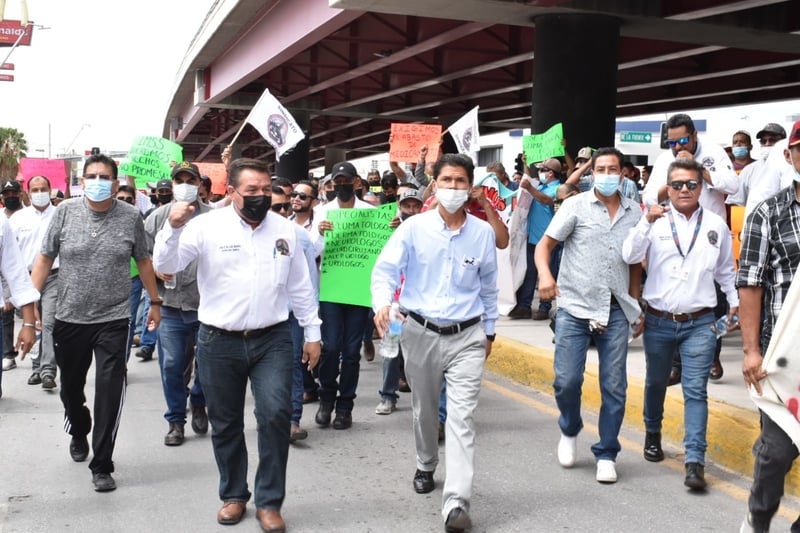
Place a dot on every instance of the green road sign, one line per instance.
(635, 137)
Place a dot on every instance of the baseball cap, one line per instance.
(164, 184)
(410, 194)
(775, 129)
(585, 153)
(56, 193)
(551, 164)
(189, 168)
(794, 139)
(12, 185)
(344, 169)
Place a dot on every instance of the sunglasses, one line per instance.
(128, 199)
(105, 177)
(683, 141)
(303, 196)
(678, 185)
(286, 206)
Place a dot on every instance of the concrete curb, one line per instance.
(731, 432)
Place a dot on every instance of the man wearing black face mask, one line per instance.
(389, 189)
(244, 334)
(12, 202)
(342, 324)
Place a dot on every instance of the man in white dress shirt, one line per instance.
(687, 248)
(250, 269)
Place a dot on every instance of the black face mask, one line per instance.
(12, 203)
(344, 192)
(255, 208)
(153, 199)
(164, 199)
(390, 198)
(330, 195)
(404, 216)
(360, 194)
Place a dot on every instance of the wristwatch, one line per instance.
(491, 337)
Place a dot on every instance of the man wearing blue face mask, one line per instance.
(757, 181)
(177, 334)
(741, 145)
(94, 238)
(598, 298)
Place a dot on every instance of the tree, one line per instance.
(12, 148)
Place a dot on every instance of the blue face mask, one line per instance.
(606, 184)
(96, 189)
(740, 151)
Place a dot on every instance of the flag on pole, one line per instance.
(465, 133)
(275, 124)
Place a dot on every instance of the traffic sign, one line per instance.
(7, 66)
(6, 77)
(635, 137)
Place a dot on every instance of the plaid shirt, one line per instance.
(770, 253)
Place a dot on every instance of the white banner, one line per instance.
(465, 133)
(275, 124)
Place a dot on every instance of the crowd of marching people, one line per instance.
(229, 290)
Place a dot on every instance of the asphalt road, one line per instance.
(347, 481)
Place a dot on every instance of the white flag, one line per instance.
(275, 124)
(465, 133)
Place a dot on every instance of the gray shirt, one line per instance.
(185, 295)
(94, 276)
(592, 268)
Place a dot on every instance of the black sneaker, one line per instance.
(35, 379)
(520, 312)
(342, 420)
(323, 418)
(145, 353)
(457, 521)
(423, 482)
(79, 448)
(652, 447)
(199, 420)
(103, 482)
(695, 476)
(48, 383)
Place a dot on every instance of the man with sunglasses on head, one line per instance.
(687, 249)
(94, 238)
(177, 336)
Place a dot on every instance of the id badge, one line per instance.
(676, 272)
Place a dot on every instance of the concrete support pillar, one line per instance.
(575, 78)
(333, 156)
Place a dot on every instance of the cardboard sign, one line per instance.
(54, 170)
(218, 174)
(541, 146)
(151, 159)
(407, 139)
(351, 248)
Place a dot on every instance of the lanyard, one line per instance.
(675, 232)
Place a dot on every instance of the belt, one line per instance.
(680, 317)
(444, 330)
(246, 333)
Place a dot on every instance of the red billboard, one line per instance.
(10, 30)
(6, 77)
(7, 66)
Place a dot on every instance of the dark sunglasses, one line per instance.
(286, 206)
(128, 199)
(678, 185)
(683, 141)
(105, 177)
(303, 196)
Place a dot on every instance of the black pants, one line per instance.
(74, 345)
(8, 334)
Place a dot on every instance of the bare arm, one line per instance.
(575, 177)
(41, 269)
(750, 322)
(548, 289)
(399, 172)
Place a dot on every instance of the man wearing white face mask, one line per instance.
(450, 292)
(757, 183)
(177, 334)
(29, 226)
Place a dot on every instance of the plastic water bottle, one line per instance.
(390, 344)
(171, 283)
(35, 353)
(721, 326)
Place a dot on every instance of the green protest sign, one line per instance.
(351, 248)
(151, 159)
(540, 146)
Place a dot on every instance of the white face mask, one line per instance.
(184, 192)
(452, 199)
(40, 199)
(765, 150)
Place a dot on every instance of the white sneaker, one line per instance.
(386, 407)
(606, 471)
(567, 451)
(8, 364)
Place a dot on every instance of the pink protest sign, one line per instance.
(53, 169)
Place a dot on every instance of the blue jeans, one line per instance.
(572, 341)
(443, 403)
(225, 364)
(528, 287)
(298, 369)
(342, 333)
(147, 338)
(176, 341)
(695, 341)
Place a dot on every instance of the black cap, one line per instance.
(12, 185)
(189, 168)
(775, 129)
(344, 169)
(164, 184)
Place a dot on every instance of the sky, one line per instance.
(100, 75)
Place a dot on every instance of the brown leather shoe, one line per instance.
(369, 351)
(270, 521)
(231, 512)
(716, 370)
(674, 377)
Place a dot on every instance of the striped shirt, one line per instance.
(770, 253)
